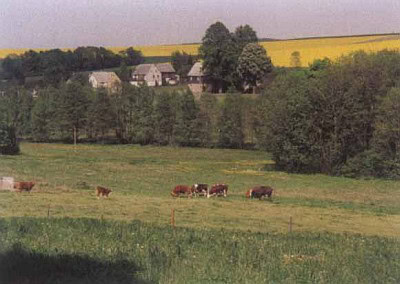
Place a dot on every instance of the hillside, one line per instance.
(279, 50)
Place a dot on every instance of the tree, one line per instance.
(244, 35)
(253, 64)
(8, 140)
(132, 56)
(218, 54)
(43, 114)
(182, 63)
(101, 114)
(124, 73)
(230, 123)
(295, 59)
(184, 132)
(72, 108)
(164, 118)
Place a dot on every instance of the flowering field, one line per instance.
(279, 51)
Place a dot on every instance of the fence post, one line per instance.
(173, 218)
(290, 224)
(48, 211)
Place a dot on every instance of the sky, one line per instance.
(73, 23)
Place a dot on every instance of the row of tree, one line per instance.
(338, 117)
(133, 115)
(56, 65)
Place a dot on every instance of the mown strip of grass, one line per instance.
(41, 250)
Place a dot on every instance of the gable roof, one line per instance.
(142, 69)
(165, 68)
(105, 77)
(197, 70)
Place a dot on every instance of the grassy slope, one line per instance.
(93, 251)
(142, 178)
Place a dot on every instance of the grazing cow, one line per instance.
(218, 190)
(24, 185)
(102, 192)
(182, 190)
(259, 192)
(200, 189)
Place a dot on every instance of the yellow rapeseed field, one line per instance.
(279, 51)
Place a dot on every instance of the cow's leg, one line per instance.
(224, 192)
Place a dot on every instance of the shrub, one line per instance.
(8, 141)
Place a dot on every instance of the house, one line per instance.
(108, 80)
(198, 81)
(154, 75)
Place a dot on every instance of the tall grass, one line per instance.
(94, 251)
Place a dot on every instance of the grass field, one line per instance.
(344, 230)
(279, 51)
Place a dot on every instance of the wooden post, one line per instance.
(173, 218)
(48, 212)
(290, 224)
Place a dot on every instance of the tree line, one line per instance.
(131, 115)
(337, 118)
(57, 66)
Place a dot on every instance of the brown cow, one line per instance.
(218, 190)
(200, 189)
(181, 190)
(259, 192)
(24, 186)
(102, 192)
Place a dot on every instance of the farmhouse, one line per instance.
(108, 80)
(198, 82)
(161, 74)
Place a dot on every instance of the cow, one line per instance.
(200, 189)
(102, 192)
(181, 190)
(218, 190)
(259, 192)
(24, 186)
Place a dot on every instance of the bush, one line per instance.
(371, 164)
(8, 141)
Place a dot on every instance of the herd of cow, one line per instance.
(201, 189)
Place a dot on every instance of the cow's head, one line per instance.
(248, 193)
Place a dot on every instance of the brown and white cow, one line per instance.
(200, 189)
(24, 186)
(259, 192)
(218, 190)
(181, 190)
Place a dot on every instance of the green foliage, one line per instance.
(132, 56)
(322, 120)
(164, 118)
(101, 116)
(230, 123)
(8, 140)
(43, 114)
(184, 130)
(72, 108)
(218, 54)
(182, 63)
(295, 59)
(253, 64)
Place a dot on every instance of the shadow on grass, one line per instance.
(20, 266)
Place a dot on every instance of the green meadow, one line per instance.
(343, 230)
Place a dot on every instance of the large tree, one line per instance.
(253, 64)
(218, 54)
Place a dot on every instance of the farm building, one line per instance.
(197, 79)
(154, 75)
(108, 80)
